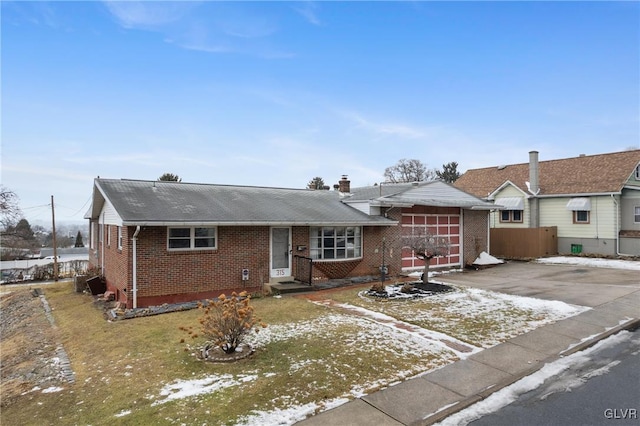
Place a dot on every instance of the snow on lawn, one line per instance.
(595, 262)
(371, 330)
(484, 318)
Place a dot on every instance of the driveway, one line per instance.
(579, 285)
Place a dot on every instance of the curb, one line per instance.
(470, 400)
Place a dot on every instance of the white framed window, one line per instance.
(636, 215)
(581, 216)
(339, 242)
(511, 216)
(191, 238)
(119, 237)
(638, 172)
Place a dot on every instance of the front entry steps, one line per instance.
(288, 287)
(294, 286)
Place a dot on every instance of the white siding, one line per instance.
(553, 212)
(109, 215)
(363, 206)
(510, 191)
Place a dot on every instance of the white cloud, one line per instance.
(309, 10)
(143, 14)
(383, 129)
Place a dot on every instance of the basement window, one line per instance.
(191, 238)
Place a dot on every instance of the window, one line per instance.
(636, 215)
(341, 242)
(191, 238)
(638, 172)
(119, 237)
(511, 216)
(580, 216)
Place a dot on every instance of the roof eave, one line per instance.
(385, 222)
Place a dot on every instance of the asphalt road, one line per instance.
(601, 389)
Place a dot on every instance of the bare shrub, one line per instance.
(226, 321)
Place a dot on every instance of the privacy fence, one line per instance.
(522, 243)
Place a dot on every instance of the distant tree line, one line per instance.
(407, 170)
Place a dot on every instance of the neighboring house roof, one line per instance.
(432, 193)
(589, 174)
(162, 203)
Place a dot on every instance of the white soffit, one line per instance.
(579, 204)
(511, 203)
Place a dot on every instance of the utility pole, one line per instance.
(55, 244)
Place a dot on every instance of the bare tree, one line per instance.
(9, 210)
(408, 171)
(426, 246)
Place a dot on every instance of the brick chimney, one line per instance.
(344, 185)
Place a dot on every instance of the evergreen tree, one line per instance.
(170, 177)
(79, 242)
(317, 183)
(449, 172)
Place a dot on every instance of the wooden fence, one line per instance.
(522, 243)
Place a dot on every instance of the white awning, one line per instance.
(511, 203)
(579, 204)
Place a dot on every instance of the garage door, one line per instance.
(442, 225)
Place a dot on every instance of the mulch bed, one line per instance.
(411, 290)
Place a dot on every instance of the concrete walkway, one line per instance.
(613, 295)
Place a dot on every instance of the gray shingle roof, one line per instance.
(168, 203)
(433, 193)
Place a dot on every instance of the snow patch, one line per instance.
(594, 262)
(486, 259)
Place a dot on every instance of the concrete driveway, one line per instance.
(579, 285)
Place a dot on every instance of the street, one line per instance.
(601, 387)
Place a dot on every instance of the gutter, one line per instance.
(618, 227)
(134, 238)
(382, 222)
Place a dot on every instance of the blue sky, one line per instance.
(276, 93)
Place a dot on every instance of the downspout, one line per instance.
(134, 238)
(101, 233)
(618, 227)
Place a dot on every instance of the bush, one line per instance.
(407, 288)
(378, 287)
(226, 321)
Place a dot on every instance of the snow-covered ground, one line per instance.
(380, 330)
(593, 262)
(377, 332)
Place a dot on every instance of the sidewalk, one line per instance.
(431, 397)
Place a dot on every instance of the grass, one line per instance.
(129, 372)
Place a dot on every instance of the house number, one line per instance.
(279, 272)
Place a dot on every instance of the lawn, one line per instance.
(314, 354)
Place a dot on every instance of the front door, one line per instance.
(280, 252)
